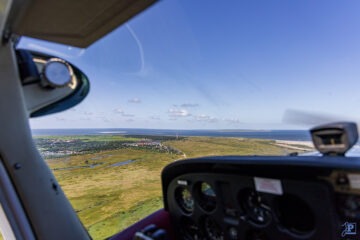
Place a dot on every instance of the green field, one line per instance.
(108, 197)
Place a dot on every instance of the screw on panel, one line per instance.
(17, 166)
(54, 186)
(6, 35)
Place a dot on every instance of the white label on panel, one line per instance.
(268, 185)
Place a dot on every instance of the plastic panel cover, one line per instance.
(78, 23)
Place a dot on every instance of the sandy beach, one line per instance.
(296, 145)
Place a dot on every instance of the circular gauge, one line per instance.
(184, 199)
(295, 214)
(190, 230)
(256, 211)
(349, 205)
(207, 191)
(207, 196)
(57, 73)
(256, 234)
(213, 230)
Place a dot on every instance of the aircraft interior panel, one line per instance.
(231, 198)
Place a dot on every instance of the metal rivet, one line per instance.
(17, 166)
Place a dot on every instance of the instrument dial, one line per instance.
(213, 230)
(207, 197)
(57, 73)
(256, 211)
(191, 230)
(184, 199)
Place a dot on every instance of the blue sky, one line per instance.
(199, 64)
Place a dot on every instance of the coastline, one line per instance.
(286, 135)
(296, 145)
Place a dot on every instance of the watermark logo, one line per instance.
(349, 228)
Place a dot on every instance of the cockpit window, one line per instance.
(188, 79)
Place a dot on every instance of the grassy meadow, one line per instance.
(114, 181)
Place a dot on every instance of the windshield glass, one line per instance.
(196, 78)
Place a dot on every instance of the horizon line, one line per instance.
(179, 129)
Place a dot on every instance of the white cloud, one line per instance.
(122, 113)
(233, 120)
(205, 118)
(105, 119)
(60, 119)
(154, 118)
(188, 105)
(176, 112)
(118, 111)
(127, 115)
(85, 119)
(134, 100)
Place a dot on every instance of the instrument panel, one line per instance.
(222, 198)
